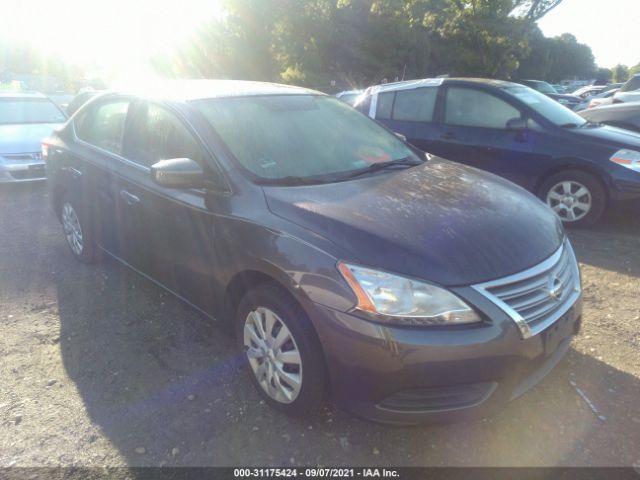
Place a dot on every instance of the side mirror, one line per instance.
(517, 124)
(178, 173)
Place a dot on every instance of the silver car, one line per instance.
(25, 120)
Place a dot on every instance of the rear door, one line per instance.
(475, 132)
(95, 163)
(411, 112)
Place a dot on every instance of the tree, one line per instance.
(603, 76)
(355, 43)
(534, 10)
(634, 70)
(620, 73)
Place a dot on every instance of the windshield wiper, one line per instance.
(375, 167)
(291, 180)
(569, 125)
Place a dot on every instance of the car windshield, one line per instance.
(306, 137)
(547, 107)
(29, 110)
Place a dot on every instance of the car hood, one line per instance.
(25, 138)
(612, 136)
(442, 222)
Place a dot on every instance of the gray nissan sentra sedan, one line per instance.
(25, 120)
(403, 286)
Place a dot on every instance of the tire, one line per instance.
(577, 197)
(78, 233)
(281, 391)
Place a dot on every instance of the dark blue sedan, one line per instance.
(579, 168)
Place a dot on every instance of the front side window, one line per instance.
(416, 104)
(280, 137)
(103, 125)
(474, 108)
(16, 110)
(157, 134)
(553, 111)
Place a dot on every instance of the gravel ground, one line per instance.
(100, 367)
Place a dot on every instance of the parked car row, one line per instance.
(379, 268)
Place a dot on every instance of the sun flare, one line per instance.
(116, 38)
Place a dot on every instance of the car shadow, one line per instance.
(164, 386)
(612, 244)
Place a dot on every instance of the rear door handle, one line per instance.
(129, 198)
(448, 136)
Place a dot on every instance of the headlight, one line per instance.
(403, 300)
(627, 158)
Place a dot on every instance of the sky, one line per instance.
(113, 33)
(611, 28)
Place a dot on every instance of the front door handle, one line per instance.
(448, 136)
(75, 173)
(129, 198)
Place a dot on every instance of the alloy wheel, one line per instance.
(273, 355)
(72, 228)
(570, 200)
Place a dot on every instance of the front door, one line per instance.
(476, 131)
(172, 229)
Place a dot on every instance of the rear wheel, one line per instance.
(77, 233)
(280, 350)
(577, 197)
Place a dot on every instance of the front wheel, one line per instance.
(577, 197)
(280, 350)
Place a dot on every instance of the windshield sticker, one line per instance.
(373, 154)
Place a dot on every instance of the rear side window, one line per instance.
(385, 104)
(474, 108)
(415, 105)
(158, 134)
(103, 125)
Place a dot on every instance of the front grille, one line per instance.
(537, 297)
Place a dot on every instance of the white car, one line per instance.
(630, 91)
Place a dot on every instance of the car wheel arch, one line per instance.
(246, 280)
(573, 165)
(243, 281)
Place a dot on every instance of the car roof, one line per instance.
(434, 82)
(188, 90)
(22, 95)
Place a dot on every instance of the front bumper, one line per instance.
(400, 375)
(17, 172)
